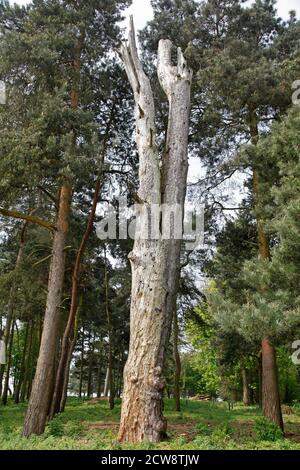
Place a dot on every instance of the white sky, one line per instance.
(142, 11)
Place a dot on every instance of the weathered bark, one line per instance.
(272, 405)
(177, 360)
(69, 330)
(270, 391)
(246, 386)
(155, 261)
(42, 388)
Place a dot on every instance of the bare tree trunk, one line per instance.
(27, 365)
(270, 392)
(42, 388)
(111, 380)
(9, 360)
(68, 366)
(272, 406)
(176, 354)
(12, 295)
(22, 367)
(106, 383)
(245, 381)
(81, 365)
(155, 261)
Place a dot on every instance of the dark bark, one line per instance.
(111, 383)
(177, 373)
(22, 366)
(270, 392)
(246, 385)
(8, 366)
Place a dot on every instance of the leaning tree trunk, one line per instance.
(271, 406)
(155, 260)
(42, 387)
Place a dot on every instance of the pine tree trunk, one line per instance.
(155, 261)
(69, 330)
(24, 385)
(106, 383)
(12, 296)
(270, 392)
(246, 387)
(176, 354)
(8, 366)
(81, 366)
(111, 382)
(22, 367)
(42, 387)
(272, 405)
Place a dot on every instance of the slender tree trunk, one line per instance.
(111, 381)
(81, 365)
(9, 360)
(67, 336)
(155, 261)
(22, 367)
(24, 385)
(68, 366)
(90, 367)
(12, 294)
(99, 382)
(42, 388)
(106, 383)
(177, 373)
(272, 405)
(245, 381)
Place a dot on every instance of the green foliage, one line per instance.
(56, 427)
(267, 431)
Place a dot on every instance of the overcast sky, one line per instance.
(142, 11)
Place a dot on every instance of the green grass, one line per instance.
(200, 426)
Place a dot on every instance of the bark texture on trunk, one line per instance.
(270, 388)
(69, 332)
(42, 387)
(246, 386)
(177, 373)
(155, 262)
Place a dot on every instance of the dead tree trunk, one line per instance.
(155, 261)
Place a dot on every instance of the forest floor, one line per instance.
(200, 426)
